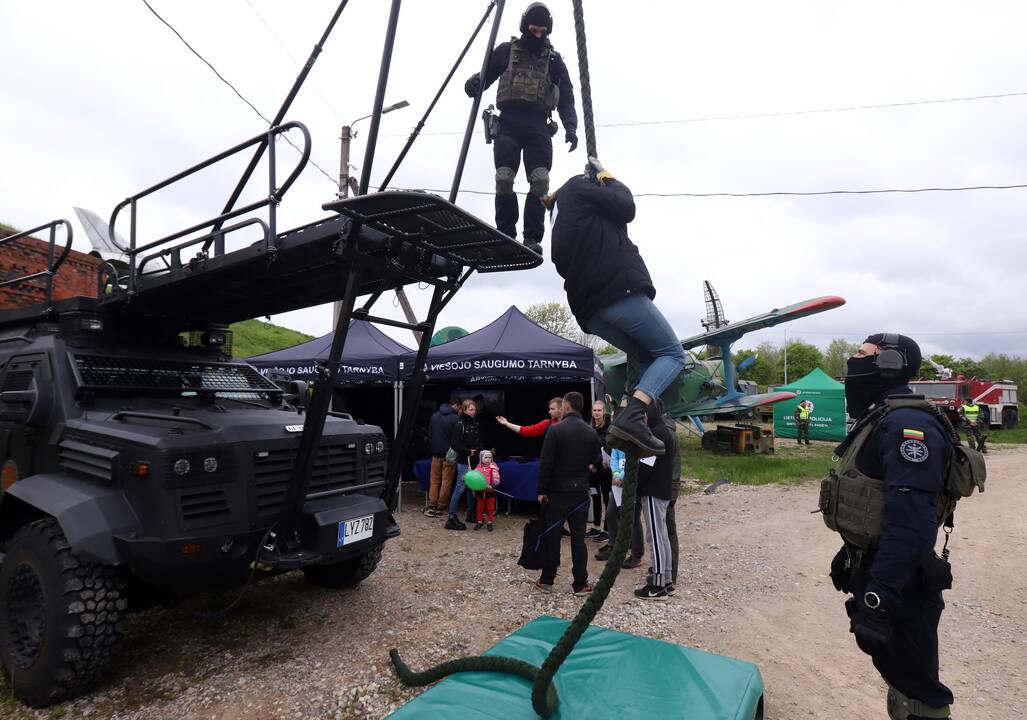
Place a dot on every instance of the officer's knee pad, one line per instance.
(538, 182)
(505, 180)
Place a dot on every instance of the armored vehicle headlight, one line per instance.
(181, 466)
(368, 448)
(380, 446)
(210, 464)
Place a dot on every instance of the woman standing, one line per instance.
(602, 478)
(465, 442)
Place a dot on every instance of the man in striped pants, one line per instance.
(654, 484)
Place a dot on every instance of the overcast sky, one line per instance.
(99, 100)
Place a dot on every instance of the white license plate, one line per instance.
(351, 531)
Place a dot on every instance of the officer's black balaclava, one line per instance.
(536, 14)
(864, 386)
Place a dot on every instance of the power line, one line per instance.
(792, 113)
(788, 193)
(234, 89)
(294, 60)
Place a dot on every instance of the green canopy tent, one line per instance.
(828, 397)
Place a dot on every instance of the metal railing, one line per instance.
(172, 255)
(52, 265)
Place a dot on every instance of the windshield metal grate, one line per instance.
(130, 374)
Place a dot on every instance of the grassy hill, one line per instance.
(256, 337)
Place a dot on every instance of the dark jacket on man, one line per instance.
(591, 249)
(465, 439)
(440, 429)
(655, 480)
(571, 445)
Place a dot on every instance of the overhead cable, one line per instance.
(791, 113)
(234, 89)
(789, 193)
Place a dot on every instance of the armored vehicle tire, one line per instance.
(346, 574)
(59, 616)
(709, 439)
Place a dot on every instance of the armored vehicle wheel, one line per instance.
(709, 439)
(346, 574)
(59, 616)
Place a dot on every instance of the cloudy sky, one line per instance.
(100, 100)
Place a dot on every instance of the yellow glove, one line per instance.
(597, 172)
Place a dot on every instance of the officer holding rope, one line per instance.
(533, 82)
(889, 493)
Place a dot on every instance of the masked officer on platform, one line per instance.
(895, 459)
(533, 81)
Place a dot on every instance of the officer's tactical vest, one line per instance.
(525, 83)
(970, 412)
(804, 413)
(853, 503)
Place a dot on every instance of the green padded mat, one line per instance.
(610, 674)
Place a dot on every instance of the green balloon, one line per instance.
(475, 480)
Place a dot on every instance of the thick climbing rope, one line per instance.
(544, 698)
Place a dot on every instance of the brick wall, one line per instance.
(77, 276)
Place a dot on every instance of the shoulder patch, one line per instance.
(914, 449)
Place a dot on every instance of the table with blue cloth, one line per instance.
(516, 478)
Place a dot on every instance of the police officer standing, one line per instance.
(970, 411)
(896, 455)
(533, 81)
(802, 413)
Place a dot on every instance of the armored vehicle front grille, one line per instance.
(376, 473)
(100, 372)
(203, 508)
(97, 462)
(335, 467)
(17, 381)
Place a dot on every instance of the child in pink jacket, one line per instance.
(487, 498)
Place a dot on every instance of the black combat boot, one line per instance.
(630, 428)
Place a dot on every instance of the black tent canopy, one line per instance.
(369, 356)
(510, 349)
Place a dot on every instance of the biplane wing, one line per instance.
(742, 403)
(730, 333)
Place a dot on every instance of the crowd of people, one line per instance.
(580, 482)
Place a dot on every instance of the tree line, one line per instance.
(768, 368)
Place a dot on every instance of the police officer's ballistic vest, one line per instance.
(803, 413)
(525, 83)
(971, 411)
(853, 503)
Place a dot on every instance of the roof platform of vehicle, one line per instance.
(396, 238)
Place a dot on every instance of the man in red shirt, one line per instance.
(539, 428)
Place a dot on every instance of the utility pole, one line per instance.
(346, 182)
(347, 135)
(786, 356)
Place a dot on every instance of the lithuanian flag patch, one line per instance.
(908, 434)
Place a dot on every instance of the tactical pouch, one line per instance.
(552, 97)
(853, 506)
(935, 574)
(966, 473)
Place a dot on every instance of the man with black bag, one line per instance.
(900, 472)
(570, 452)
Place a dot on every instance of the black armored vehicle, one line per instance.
(140, 462)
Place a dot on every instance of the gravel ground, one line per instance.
(753, 585)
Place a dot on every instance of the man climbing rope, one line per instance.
(533, 81)
(611, 294)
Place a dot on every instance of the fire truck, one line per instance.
(997, 398)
